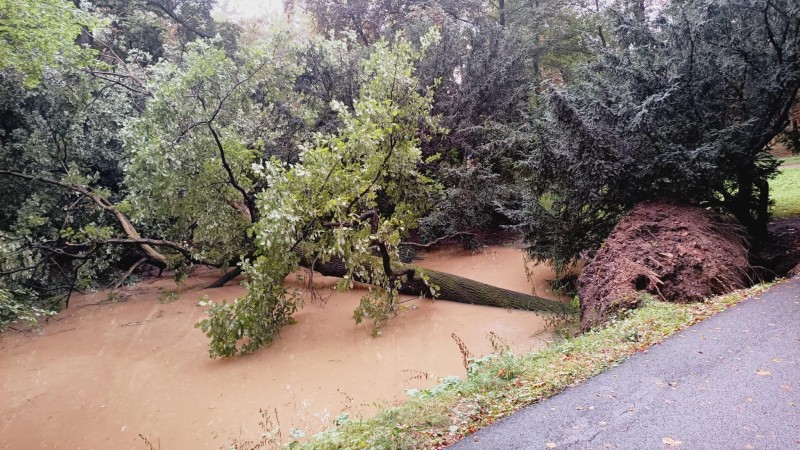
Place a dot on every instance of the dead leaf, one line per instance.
(763, 372)
(550, 445)
(670, 441)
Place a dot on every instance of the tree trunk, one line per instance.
(463, 290)
(458, 289)
(229, 276)
(762, 210)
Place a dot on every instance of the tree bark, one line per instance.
(457, 289)
(225, 279)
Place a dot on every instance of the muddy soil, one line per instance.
(674, 252)
(104, 372)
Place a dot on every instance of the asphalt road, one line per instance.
(730, 382)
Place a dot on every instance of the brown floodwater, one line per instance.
(103, 372)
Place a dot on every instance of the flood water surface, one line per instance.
(104, 372)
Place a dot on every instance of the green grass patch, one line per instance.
(785, 192)
(790, 160)
(500, 384)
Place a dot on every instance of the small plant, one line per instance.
(270, 437)
(168, 297)
(499, 344)
(466, 355)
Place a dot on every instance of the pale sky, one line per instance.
(251, 9)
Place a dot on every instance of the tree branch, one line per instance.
(436, 241)
(148, 242)
(771, 36)
(103, 204)
(171, 14)
(128, 273)
(248, 197)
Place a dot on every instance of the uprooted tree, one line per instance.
(682, 106)
(208, 180)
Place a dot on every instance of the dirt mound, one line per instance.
(675, 252)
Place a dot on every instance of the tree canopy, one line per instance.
(36, 34)
(148, 134)
(683, 107)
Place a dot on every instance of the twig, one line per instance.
(128, 273)
(436, 241)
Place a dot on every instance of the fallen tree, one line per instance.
(414, 281)
(347, 200)
(447, 286)
(454, 288)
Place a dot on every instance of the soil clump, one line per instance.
(674, 252)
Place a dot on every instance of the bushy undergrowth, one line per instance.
(500, 384)
(15, 310)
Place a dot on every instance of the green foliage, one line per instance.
(209, 110)
(35, 34)
(674, 109)
(16, 307)
(248, 323)
(66, 130)
(156, 27)
(316, 207)
(488, 65)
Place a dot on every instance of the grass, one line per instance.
(500, 384)
(790, 160)
(785, 192)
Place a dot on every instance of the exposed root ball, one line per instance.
(675, 252)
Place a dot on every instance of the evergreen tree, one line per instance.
(682, 105)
